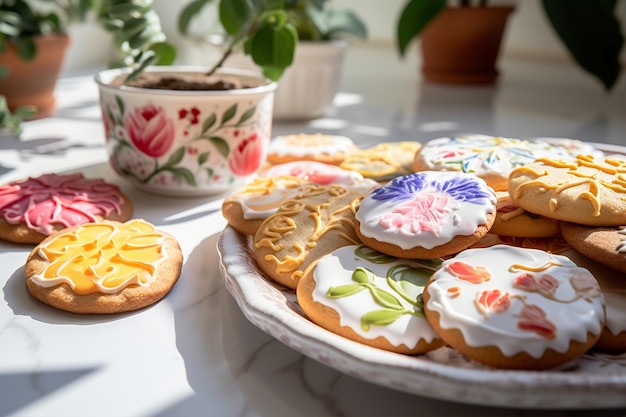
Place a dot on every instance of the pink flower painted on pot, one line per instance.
(247, 157)
(150, 130)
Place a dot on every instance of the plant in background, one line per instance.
(269, 30)
(589, 29)
(11, 122)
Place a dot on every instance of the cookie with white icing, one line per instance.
(384, 161)
(247, 207)
(582, 190)
(426, 215)
(515, 308)
(315, 222)
(489, 157)
(553, 244)
(104, 267)
(606, 245)
(369, 297)
(512, 220)
(33, 208)
(330, 149)
(312, 171)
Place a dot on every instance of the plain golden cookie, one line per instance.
(330, 149)
(606, 245)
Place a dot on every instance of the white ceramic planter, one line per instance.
(187, 143)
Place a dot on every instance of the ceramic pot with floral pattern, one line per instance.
(187, 142)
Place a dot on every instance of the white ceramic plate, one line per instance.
(595, 380)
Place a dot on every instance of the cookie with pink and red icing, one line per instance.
(371, 298)
(312, 171)
(330, 149)
(426, 215)
(515, 308)
(34, 208)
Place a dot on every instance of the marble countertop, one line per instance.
(194, 353)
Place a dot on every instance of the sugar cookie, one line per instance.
(331, 149)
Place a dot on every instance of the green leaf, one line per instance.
(272, 73)
(344, 290)
(415, 16)
(208, 123)
(362, 275)
(247, 115)
(221, 145)
(187, 14)
(229, 114)
(120, 104)
(203, 157)
(183, 175)
(176, 157)
(386, 299)
(344, 22)
(235, 15)
(274, 47)
(26, 48)
(379, 318)
(591, 33)
(165, 52)
(4, 72)
(373, 256)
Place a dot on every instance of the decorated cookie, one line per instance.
(489, 157)
(426, 215)
(384, 161)
(246, 208)
(515, 308)
(580, 190)
(34, 208)
(606, 245)
(512, 220)
(371, 298)
(311, 171)
(104, 267)
(331, 149)
(552, 244)
(317, 221)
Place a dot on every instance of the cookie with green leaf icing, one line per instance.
(369, 297)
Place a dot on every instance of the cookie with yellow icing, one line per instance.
(330, 149)
(582, 190)
(489, 157)
(104, 267)
(36, 207)
(383, 161)
(371, 298)
(313, 223)
(512, 220)
(426, 215)
(515, 308)
(247, 207)
(606, 245)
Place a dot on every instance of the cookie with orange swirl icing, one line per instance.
(36, 207)
(512, 220)
(104, 267)
(247, 207)
(371, 298)
(582, 190)
(515, 308)
(330, 149)
(429, 214)
(313, 223)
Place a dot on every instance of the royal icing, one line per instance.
(519, 300)
(51, 199)
(483, 154)
(306, 145)
(383, 161)
(263, 197)
(376, 295)
(102, 257)
(426, 209)
(313, 171)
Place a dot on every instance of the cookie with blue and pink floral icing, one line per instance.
(426, 215)
(312, 171)
(371, 298)
(515, 308)
(330, 149)
(489, 157)
(34, 208)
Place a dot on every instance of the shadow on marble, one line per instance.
(18, 390)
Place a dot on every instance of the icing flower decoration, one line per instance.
(586, 286)
(469, 273)
(546, 284)
(534, 319)
(150, 130)
(493, 301)
(247, 157)
(425, 212)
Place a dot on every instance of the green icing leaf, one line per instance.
(373, 256)
(344, 290)
(362, 275)
(385, 298)
(379, 318)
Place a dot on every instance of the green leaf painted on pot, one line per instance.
(208, 123)
(175, 157)
(362, 275)
(382, 317)
(203, 157)
(246, 116)
(229, 114)
(120, 104)
(183, 175)
(373, 256)
(221, 145)
(344, 290)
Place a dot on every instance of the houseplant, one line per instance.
(321, 30)
(589, 30)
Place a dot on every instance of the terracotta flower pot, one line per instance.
(462, 44)
(187, 143)
(33, 82)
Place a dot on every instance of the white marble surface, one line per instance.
(194, 353)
